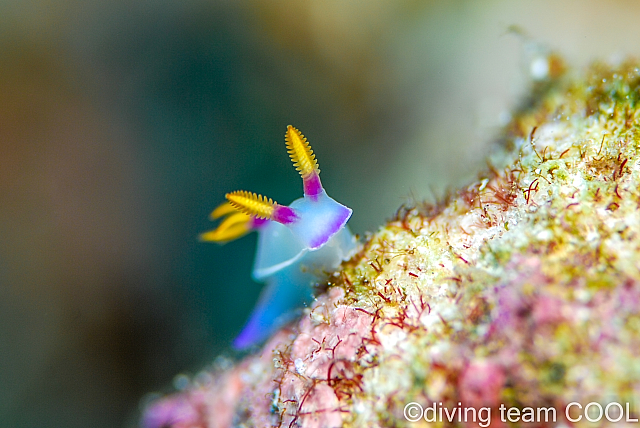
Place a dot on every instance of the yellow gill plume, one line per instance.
(300, 152)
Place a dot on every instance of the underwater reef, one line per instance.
(516, 293)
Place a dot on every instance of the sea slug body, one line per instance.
(297, 244)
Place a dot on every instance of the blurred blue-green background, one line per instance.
(123, 123)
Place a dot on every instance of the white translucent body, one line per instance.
(291, 286)
(290, 266)
(319, 222)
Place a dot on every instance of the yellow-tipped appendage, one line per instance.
(300, 152)
(232, 227)
(222, 210)
(235, 224)
(252, 204)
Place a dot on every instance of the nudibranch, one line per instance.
(297, 244)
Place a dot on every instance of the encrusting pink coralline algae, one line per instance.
(513, 301)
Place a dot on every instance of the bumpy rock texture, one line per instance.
(521, 289)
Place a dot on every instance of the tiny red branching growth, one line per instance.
(531, 189)
(333, 350)
(506, 198)
(320, 346)
(301, 403)
(624, 162)
(386, 299)
(460, 257)
(376, 265)
(418, 311)
(601, 145)
(469, 194)
(366, 312)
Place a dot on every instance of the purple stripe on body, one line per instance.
(333, 228)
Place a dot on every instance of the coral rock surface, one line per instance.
(521, 289)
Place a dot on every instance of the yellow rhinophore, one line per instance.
(252, 204)
(300, 152)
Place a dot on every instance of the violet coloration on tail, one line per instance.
(298, 245)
